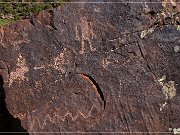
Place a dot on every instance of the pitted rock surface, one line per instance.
(93, 67)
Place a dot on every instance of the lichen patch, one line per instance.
(169, 90)
(175, 130)
(20, 71)
(176, 49)
(165, 2)
(178, 27)
(147, 31)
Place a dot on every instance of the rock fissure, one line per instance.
(95, 87)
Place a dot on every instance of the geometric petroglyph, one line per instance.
(56, 117)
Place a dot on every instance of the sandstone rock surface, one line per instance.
(94, 67)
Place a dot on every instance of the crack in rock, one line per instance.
(95, 86)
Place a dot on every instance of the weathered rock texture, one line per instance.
(94, 67)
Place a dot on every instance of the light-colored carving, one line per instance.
(57, 63)
(108, 60)
(86, 34)
(165, 103)
(39, 67)
(20, 71)
(77, 34)
(105, 63)
(55, 118)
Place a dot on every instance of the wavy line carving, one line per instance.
(36, 121)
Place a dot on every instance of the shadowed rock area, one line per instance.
(7, 122)
(94, 67)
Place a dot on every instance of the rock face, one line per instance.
(94, 67)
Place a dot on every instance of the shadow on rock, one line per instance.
(7, 122)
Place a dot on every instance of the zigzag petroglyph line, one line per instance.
(54, 119)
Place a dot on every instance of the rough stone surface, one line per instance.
(94, 67)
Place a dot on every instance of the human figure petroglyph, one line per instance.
(86, 34)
